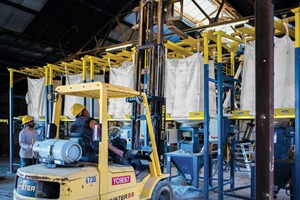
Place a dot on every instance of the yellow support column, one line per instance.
(92, 67)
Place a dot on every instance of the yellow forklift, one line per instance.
(62, 177)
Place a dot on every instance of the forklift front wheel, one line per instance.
(162, 191)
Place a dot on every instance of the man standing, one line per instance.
(26, 139)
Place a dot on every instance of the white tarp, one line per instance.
(248, 80)
(184, 86)
(212, 89)
(122, 76)
(284, 80)
(284, 69)
(35, 97)
(70, 100)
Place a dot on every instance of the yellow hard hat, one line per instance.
(26, 119)
(76, 109)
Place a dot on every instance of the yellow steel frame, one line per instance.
(184, 48)
(71, 67)
(11, 79)
(178, 49)
(205, 36)
(31, 72)
(83, 69)
(279, 28)
(11, 70)
(46, 71)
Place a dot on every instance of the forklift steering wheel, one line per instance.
(114, 132)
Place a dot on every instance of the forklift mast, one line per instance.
(149, 71)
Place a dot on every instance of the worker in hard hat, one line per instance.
(85, 124)
(27, 137)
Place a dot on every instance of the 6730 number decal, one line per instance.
(90, 179)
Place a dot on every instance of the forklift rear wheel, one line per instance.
(162, 191)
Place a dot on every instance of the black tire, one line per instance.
(162, 191)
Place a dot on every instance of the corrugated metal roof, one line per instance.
(14, 19)
(17, 20)
(36, 5)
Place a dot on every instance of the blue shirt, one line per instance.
(82, 125)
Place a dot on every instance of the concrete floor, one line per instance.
(7, 180)
(180, 193)
(241, 179)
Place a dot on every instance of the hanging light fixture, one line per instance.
(118, 47)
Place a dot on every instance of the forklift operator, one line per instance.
(85, 124)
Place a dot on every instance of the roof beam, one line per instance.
(203, 12)
(130, 2)
(229, 10)
(122, 31)
(219, 10)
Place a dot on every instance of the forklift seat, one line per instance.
(139, 159)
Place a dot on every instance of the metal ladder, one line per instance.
(245, 152)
